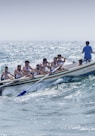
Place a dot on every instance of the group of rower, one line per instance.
(43, 68)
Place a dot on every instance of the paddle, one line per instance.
(26, 91)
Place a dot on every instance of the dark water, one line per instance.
(66, 109)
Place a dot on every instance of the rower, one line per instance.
(37, 70)
(80, 62)
(27, 69)
(60, 61)
(45, 66)
(6, 74)
(18, 73)
(54, 63)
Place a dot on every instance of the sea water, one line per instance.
(64, 109)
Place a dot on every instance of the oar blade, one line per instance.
(22, 93)
(32, 86)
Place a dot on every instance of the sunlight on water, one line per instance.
(54, 109)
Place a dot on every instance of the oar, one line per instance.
(26, 91)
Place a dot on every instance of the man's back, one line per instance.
(87, 50)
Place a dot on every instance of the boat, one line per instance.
(70, 70)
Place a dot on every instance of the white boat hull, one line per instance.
(72, 70)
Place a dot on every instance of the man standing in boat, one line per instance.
(87, 50)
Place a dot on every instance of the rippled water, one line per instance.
(66, 109)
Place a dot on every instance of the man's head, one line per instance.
(87, 42)
(27, 63)
(6, 68)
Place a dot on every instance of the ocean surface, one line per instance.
(64, 109)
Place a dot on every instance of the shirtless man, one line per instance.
(37, 70)
(45, 66)
(18, 73)
(60, 61)
(6, 74)
(54, 63)
(27, 69)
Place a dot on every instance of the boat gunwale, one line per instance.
(53, 75)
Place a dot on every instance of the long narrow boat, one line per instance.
(70, 70)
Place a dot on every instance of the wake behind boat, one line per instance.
(70, 70)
